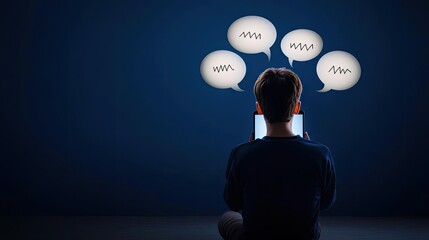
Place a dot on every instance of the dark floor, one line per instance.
(195, 228)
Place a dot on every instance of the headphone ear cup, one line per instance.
(297, 107)
(296, 110)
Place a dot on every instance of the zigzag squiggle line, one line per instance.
(250, 35)
(222, 68)
(301, 46)
(339, 69)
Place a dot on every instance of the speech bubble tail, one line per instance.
(268, 53)
(291, 62)
(237, 88)
(324, 89)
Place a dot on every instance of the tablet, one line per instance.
(260, 129)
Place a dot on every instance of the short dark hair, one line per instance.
(277, 91)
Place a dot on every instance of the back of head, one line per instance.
(278, 91)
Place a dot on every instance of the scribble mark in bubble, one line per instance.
(222, 68)
(301, 46)
(339, 69)
(250, 35)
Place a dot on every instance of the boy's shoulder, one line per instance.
(316, 145)
(244, 146)
(299, 142)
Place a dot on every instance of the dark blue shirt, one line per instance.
(280, 184)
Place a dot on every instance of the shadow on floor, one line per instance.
(195, 228)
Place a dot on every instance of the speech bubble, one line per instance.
(223, 69)
(338, 70)
(252, 34)
(301, 45)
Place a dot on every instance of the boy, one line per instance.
(276, 186)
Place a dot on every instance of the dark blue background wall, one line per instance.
(103, 109)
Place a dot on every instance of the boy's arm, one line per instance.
(328, 195)
(233, 194)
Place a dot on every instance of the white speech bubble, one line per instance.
(301, 45)
(223, 69)
(338, 70)
(252, 34)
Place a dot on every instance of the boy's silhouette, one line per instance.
(276, 186)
